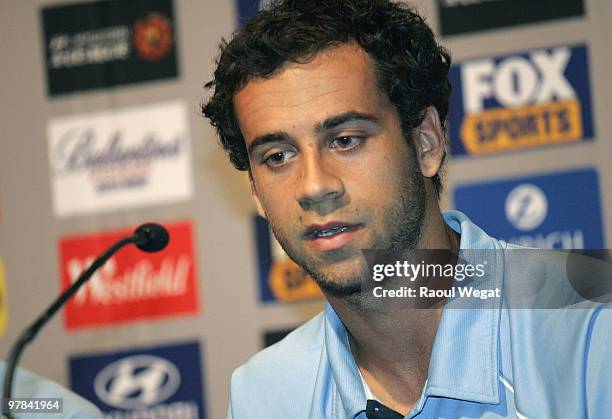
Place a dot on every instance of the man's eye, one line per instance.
(277, 158)
(345, 142)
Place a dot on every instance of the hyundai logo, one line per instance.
(137, 382)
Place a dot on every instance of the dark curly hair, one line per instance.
(411, 68)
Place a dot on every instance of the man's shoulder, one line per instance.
(31, 385)
(559, 315)
(280, 380)
(287, 360)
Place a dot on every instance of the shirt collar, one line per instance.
(464, 360)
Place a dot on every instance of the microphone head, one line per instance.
(151, 237)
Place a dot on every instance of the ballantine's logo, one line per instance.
(531, 99)
(80, 149)
(119, 159)
(141, 282)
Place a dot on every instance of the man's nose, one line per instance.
(319, 187)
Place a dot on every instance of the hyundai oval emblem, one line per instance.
(137, 382)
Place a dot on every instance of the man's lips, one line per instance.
(316, 231)
(331, 236)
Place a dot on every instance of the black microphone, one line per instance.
(148, 237)
(151, 237)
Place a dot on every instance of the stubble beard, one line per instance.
(404, 220)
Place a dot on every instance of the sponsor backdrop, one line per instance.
(272, 336)
(463, 16)
(528, 99)
(108, 43)
(101, 133)
(159, 381)
(119, 159)
(280, 279)
(553, 211)
(3, 300)
(132, 285)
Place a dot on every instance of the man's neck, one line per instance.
(392, 348)
(393, 353)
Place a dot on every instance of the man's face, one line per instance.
(331, 169)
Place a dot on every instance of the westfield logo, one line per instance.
(131, 286)
(139, 282)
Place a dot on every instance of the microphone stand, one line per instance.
(144, 237)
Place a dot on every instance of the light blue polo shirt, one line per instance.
(29, 385)
(489, 362)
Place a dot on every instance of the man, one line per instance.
(336, 108)
(29, 385)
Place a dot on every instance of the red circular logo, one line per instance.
(153, 37)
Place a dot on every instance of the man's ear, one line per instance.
(255, 196)
(429, 143)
